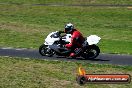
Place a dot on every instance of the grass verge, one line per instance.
(32, 73)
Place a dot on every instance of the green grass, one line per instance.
(32, 73)
(27, 26)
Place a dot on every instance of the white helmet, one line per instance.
(69, 28)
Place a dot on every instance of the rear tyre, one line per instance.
(44, 50)
(92, 52)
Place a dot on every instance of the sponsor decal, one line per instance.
(83, 78)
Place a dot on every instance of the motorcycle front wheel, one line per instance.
(44, 50)
(91, 52)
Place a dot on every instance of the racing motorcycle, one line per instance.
(55, 44)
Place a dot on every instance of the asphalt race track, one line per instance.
(34, 54)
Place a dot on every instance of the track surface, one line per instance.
(102, 58)
(63, 4)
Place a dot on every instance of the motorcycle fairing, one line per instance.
(49, 40)
(93, 39)
(60, 50)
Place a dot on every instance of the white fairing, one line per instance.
(93, 39)
(49, 40)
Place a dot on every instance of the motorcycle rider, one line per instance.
(77, 39)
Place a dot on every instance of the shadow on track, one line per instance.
(79, 58)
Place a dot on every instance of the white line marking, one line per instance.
(5, 48)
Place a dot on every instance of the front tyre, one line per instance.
(91, 52)
(44, 50)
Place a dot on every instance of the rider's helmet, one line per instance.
(69, 28)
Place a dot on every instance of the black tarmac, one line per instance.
(34, 54)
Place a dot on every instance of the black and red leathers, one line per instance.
(76, 41)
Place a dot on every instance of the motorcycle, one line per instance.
(55, 44)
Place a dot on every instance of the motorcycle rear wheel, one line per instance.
(91, 53)
(44, 50)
